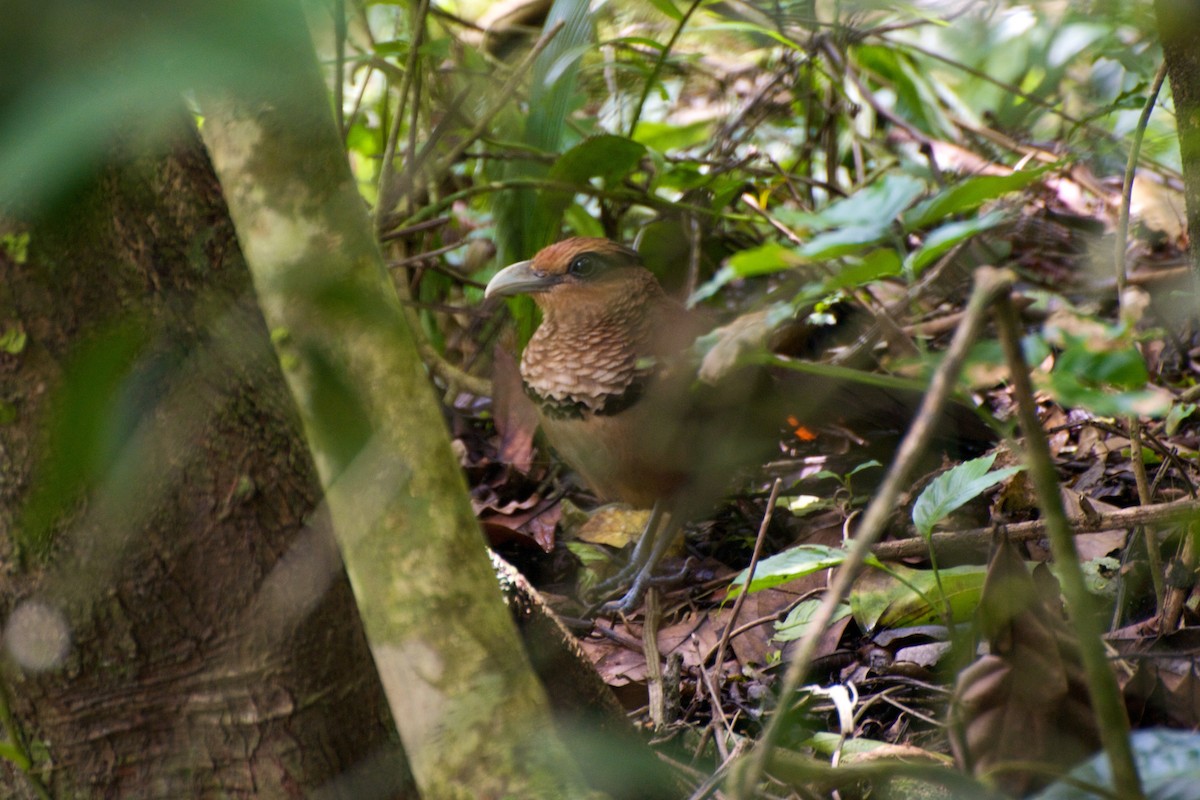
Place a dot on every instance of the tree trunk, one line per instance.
(180, 625)
(474, 721)
(1178, 29)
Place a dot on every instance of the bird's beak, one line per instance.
(518, 278)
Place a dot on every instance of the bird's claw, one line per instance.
(644, 578)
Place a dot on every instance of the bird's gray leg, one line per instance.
(642, 551)
(644, 574)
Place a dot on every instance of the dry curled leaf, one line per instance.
(1026, 700)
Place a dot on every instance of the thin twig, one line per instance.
(387, 169)
(339, 74)
(980, 538)
(658, 65)
(654, 672)
(1135, 148)
(741, 598)
(1120, 246)
(990, 283)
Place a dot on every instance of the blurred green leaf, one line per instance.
(666, 137)
(880, 263)
(897, 598)
(844, 241)
(798, 621)
(1071, 392)
(668, 8)
(762, 260)
(1178, 413)
(13, 340)
(1123, 368)
(967, 195)
(875, 206)
(90, 420)
(12, 754)
(792, 563)
(16, 245)
(946, 237)
(606, 156)
(954, 488)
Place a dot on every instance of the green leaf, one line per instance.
(668, 8)
(95, 410)
(1123, 367)
(582, 222)
(881, 263)
(763, 260)
(800, 618)
(16, 245)
(795, 562)
(954, 488)
(9, 752)
(843, 241)
(902, 597)
(665, 138)
(13, 340)
(1178, 413)
(606, 156)
(946, 237)
(1071, 392)
(967, 195)
(875, 206)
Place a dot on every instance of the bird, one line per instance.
(621, 396)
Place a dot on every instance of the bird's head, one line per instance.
(573, 273)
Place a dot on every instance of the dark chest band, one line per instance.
(576, 409)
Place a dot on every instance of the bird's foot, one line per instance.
(643, 579)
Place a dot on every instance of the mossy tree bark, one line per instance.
(473, 719)
(1179, 30)
(181, 626)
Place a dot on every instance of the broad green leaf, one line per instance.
(947, 236)
(793, 563)
(966, 195)
(668, 8)
(877, 205)
(605, 156)
(843, 241)
(1123, 368)
(954, 488)
(1071, 392)
(763, 260)
(897, 598)
(666, 138)
(880, 263)
(915, 98)
(583, 222)
(799, 620)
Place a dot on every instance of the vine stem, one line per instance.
(658, 65)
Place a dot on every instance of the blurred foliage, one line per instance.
(787, 144)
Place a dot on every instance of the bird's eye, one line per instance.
(583, 266)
